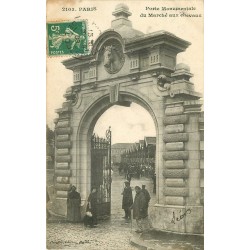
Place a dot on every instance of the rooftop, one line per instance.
(121, 145)
(150, 140)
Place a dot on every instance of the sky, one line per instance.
(136, 121)
(128, 124)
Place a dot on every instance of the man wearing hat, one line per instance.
(127, 200)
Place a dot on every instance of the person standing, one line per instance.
(139, 208)
(92, 206)
(129, 177)
(147, 197)
(73, 205)
(127, 200)
(147, 222)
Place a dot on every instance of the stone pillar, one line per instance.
(63, 157)
(174, 172)
(194, 222)
(181, 169)
(175, 155)
(201, 129)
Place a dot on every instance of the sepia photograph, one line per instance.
(124, 125)
(105, 104)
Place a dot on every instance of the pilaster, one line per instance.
(63, 158)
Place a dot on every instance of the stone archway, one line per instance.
(145, 73)
(85, 130)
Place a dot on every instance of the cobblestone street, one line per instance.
(110, 234)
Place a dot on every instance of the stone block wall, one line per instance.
(182, 168)
(201, 129)
(175, 155)
(63, 132)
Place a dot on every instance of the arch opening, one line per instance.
(99, 116)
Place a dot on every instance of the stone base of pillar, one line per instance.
(59, 206)
(178, 219)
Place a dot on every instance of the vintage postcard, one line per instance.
(125, 124)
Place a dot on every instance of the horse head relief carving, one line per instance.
(108, 57)
(113, 57)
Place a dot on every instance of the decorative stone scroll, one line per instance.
(175, 155)
(178, 137)
(175, 119)
(175, 173)
(176, 191)
(66, 104)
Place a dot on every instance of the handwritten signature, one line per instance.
(188, 211)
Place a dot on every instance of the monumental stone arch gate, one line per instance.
(127, 66)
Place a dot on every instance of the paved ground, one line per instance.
(162, 240)
(110, 234)
(114, 233)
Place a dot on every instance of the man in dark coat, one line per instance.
(73, 205)
(127, 200)
(139, 208)
(147, 222)
(147, 196)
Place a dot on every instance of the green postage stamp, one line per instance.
(67, 38)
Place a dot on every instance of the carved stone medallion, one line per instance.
(112, 56)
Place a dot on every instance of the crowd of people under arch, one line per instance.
(137, 171)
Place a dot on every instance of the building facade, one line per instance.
(117, 150)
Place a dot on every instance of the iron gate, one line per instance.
(101, 171)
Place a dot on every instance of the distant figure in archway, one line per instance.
(73, 205)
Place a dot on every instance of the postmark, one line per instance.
(67, 38)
